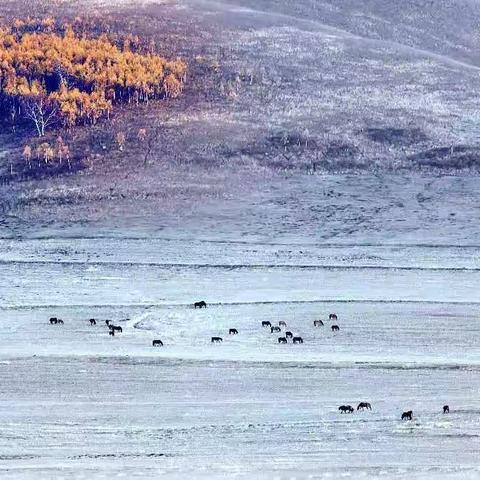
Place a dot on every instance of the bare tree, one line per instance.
(121, 140)
(142, 134)
(153, 136)
(66, 154)
(27, 155)
(41, 112)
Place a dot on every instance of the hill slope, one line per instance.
(274, 85)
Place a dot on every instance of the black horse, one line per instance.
(333, 316)
(275, 329)
(297, 340)
(346, 409)
(200, 304)
(115, 328)
(217, 339)
(53, 320)
(60, 321)
(157, 343)
(335, 328)
(93, 321)
(363, 405)
(289, 334)
(407, 415)
(446, 409)
(317, 323)
(266, 323)
(282, 340)
(233, 331)
(282, 323)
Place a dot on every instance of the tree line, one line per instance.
(51, 75)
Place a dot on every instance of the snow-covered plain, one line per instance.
(76, 403)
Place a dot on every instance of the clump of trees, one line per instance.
(54, 76)
(47, 154)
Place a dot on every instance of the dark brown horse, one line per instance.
(60, 321)
(157, 343)
(282, 340)
(275, 329)
(333, 316)
(363, 405)
(297, 340)
(217, 339)
(233, 331)
(407, 415)
(446, 409)
(346, 409)
(289, 334)
(281, 323)
(93, 321)
(115, 328)
(200, 304)
(266, 323)
(335, 328)
(317, 323)
(53, 320)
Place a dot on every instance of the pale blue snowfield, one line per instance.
(398, 259)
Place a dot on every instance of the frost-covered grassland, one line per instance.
(397, 258)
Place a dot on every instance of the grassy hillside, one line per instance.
(273, 86)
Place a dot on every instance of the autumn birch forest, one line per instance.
(56, 77)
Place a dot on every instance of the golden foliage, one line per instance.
(79, 78)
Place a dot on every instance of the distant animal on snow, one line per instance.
(335, 328)
(60, 321)
(115, 328)
(363, 405)
(282, 340)
(407, 415)
(233, 331)
(107, 322)
(266, 323)
(53, 320)
(317, 323)
(281, 323)
(112, 333)
(297, 340)
(157, 343)
(200, 304)
(446, 409)
(217, 339)
(346, 409)
(93, 321)
(275, 329)
(333, 316)
(289, 334)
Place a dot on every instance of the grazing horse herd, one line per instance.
(408, 415)
(299, 340)
(56, 321)
(265, 324)
(275, 328)
(289, 335)
(112, 329)
(365, 405)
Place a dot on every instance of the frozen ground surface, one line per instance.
(398, 259)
